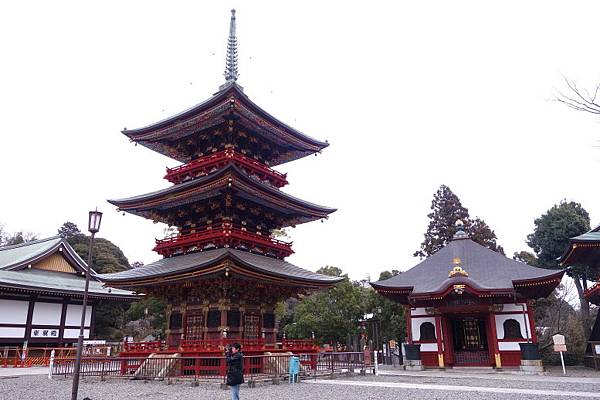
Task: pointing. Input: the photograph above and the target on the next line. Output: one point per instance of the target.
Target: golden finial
(457, 269)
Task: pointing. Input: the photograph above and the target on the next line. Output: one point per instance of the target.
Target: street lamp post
(93, 226)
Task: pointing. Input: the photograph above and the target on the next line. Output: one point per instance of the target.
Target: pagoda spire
(231, 66)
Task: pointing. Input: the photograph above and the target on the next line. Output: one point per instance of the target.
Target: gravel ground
(27, 387)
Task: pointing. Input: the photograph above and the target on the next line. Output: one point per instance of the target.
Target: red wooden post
(494, 340)
(409, 337)
(438, 331)
(531, 318)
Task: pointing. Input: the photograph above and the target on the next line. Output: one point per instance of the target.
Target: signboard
(597, 348)
(559, 343)
(367, 355)
(44, 333)
(560, 346)
(94, 342)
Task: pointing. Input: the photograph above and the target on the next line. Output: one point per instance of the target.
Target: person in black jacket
(235, 369)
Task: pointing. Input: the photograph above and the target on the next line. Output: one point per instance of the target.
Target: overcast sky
(410, 94)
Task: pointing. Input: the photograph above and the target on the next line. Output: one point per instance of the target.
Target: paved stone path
(425, 385)
(461, 388)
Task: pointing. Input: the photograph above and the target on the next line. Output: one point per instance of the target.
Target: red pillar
(494, 339)
(531, 318)
(438, 335)
(409, 337)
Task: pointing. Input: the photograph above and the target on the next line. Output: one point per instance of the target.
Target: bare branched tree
(579, 99)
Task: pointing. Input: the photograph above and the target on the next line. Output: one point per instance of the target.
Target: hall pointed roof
(464, 262)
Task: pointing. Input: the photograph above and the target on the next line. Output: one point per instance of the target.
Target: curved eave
(397, 294)
(593, 294)
(536, 288)
(71, 293)
(75, 261)
(246, 184)
(139, 134)
(215, 266)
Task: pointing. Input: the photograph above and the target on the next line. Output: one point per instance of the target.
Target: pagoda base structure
(469, 306)
(219, 297)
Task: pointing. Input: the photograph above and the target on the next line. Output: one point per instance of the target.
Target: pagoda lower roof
(213, 262)
(584, 250)
(229, 100)
(486, 273)
(212, 185)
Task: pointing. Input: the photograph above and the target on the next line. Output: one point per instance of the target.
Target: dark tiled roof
(487, 269)
(20, 255)
(15, 274)
(200, 260)
(123, 203)
(222, 94)
(36, 280)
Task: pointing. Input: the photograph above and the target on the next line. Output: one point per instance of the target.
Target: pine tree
(447, 210)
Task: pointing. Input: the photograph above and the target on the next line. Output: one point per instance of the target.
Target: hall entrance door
(470, 341)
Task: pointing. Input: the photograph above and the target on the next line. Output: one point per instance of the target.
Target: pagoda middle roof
(229, 99)
(203, 263)
(488, 271)
(583, 250)
(206, 187)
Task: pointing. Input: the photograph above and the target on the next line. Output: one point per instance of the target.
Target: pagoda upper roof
(482, 271)
(20, 271)
(211, 262)
(229, 100)
(583, 250)
(212, 184)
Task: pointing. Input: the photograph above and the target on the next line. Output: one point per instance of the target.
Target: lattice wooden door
(251, 326)
(194, 326)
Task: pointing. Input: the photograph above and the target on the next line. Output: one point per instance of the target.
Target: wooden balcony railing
(225, 235)
(207, 164)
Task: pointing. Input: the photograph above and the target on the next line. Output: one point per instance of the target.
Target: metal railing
(164, 366)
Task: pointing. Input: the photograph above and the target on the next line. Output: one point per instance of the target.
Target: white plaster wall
(46, 313)
(74, 315)
(508, 346)
(418, 311)
(416, 325)
(519, 318)
(12, 332)
(74, 333)
(429, 347)
(514, 307)
(13, 312)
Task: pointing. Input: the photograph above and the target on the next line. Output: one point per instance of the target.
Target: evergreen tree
(447, 210)
(550, 239)
(68, 230)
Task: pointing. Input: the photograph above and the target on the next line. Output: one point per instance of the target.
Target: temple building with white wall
(41, 294)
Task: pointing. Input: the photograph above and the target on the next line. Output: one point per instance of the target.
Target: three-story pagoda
(224, 272)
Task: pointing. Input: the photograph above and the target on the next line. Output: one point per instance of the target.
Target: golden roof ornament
(457, 270)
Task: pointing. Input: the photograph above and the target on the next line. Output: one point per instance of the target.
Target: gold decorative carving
(457, 270)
